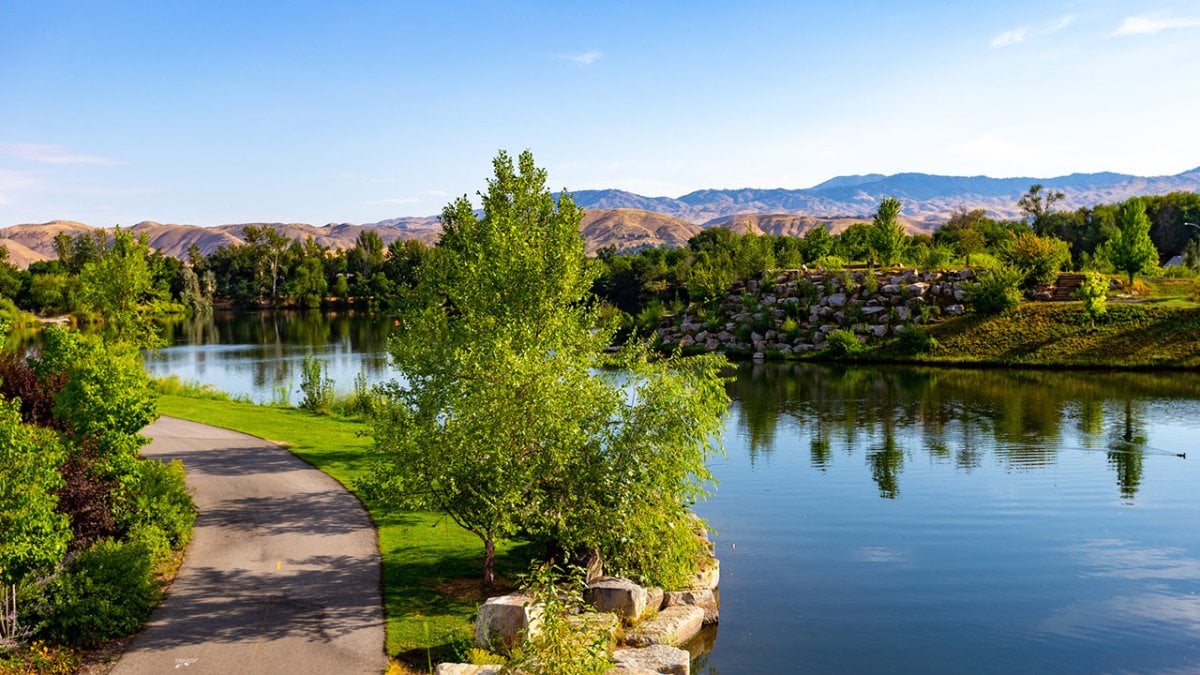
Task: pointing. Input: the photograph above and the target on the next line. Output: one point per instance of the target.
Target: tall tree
(1038, 203)
(272, 250)
(1130, 249)
(118, 286)
(502, 421)
(886, 239)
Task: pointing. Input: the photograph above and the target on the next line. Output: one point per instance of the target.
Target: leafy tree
(816, 244)
(886, 239)
(1039, 258)
(1037, 204)
(33, 535)
(501, 422)
(1094, 293)
(1130, 249)
(270, 249)
(118, 286)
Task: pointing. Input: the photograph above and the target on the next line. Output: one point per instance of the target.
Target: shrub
(316, 387)
(1094, 293)
(914, 340)
(159, 512)
(843, 342)
(561, 646)
(996, 291)
(107, 592)
(1038, 258)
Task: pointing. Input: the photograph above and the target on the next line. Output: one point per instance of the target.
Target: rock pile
(793, 312)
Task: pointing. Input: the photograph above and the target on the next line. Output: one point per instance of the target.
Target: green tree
(1130, 249)
(33, 535)
(1039, 258)
(119, 286)
(502, 422)
(271, 251)
(1038, 204)
(1094, 293)
(816, 244)
(886, 240)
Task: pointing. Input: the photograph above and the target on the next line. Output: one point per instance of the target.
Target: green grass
(1060, 334)
(431, 566)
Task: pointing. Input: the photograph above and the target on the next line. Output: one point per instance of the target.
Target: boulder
(955, 310)
(673, 626)
(918, 288)
(466, 669)
(600, 621)
(704, 598)
(620, 596)
(835, 300)
(655, 659)
(966, 274)
(868, 311)
(654, 596)
(709, 575)
(879, 331)
(501, 620)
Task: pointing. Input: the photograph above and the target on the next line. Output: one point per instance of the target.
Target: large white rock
(704, 598)
(501, 620)
(673, 626)
(466, 669)
(622, 597)
(709, 575)
(656, 659)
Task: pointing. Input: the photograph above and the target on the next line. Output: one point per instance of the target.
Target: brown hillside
(792, 225)
(39, 237)
(631, 229)
(19, 254)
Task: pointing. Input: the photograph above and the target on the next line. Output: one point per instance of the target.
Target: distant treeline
(271, 270)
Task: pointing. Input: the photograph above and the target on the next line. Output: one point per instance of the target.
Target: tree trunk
(489, 562)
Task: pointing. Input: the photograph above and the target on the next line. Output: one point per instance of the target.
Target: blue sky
(216, 112)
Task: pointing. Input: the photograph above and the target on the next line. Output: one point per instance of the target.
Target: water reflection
(1021, 418)
(260, 354)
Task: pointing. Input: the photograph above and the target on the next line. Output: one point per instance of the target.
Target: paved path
(282, 575)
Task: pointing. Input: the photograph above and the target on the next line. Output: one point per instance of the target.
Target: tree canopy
(502, 420)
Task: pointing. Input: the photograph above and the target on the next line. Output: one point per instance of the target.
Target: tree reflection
(1126, 450)
(1018, 418)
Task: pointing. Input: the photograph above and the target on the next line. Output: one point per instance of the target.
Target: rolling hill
(629, 221)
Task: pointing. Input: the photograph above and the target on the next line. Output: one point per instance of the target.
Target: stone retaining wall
(795, 311)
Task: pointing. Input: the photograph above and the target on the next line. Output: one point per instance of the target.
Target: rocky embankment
(794, 312)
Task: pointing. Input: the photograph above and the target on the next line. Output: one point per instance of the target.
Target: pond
(897, 520)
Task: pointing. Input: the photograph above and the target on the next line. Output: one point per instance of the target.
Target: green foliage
(1038, 204)
(502, 422)
(118, 286)
(996, 291)
(1039, 258)
(913, 339)
(1094, 293)
(316, 387)
(1130, 249)
(32, 534)
(886, 240)
(160, 512)
(563, 644)
(106, 592)
(173, 385)
(843, 342)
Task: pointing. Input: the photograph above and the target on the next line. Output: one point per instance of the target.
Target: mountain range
(631, 221)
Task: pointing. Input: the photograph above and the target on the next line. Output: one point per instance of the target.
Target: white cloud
(51, 154)
(1020, 33)
(1010, 37)
(581, 59)
(1149, 25)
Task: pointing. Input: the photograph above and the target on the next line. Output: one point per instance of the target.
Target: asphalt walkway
(282, 575)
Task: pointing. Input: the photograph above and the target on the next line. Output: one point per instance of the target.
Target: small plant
(1094, 293)
(843, 342)
(871, 283)
(790, 327)
(316, 387)
(915, 340)
(39, 658)
(996, 291)
(560, 646)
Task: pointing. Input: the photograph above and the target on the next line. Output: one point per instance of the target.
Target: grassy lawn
(431, 566)
(1060, 334)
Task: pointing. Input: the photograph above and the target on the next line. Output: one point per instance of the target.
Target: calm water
(899, 520)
